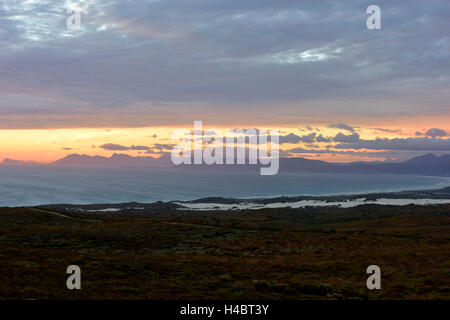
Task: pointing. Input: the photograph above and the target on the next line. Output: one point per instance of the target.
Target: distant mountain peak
(428, 164)
(427, 156)
(430, 157)
(116, 160)
(12, 162)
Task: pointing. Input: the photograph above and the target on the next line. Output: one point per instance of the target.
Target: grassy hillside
(268, 254)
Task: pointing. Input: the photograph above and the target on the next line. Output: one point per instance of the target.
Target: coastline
(400, 198)
(43, 187)
(311, 203)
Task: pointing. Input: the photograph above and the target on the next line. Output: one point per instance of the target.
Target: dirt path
(190, 225)
(64, 216)
(206, 226)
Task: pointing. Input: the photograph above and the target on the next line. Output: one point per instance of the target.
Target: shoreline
(399, 198)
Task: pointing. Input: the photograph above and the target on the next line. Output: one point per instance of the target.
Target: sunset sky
(137, 70)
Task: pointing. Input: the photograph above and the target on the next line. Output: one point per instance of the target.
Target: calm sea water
(44, 185)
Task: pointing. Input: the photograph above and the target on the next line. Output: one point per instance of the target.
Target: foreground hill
(267, 254)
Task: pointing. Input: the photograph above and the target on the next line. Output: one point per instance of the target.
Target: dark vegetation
(319, 253)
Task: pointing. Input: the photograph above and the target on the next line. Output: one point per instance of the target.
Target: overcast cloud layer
(171, 57)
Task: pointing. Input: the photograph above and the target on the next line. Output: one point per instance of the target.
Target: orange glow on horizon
(48, 145)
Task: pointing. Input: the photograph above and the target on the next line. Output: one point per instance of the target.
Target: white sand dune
(308, 203)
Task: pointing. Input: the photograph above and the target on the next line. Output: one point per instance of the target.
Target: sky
(137, 70)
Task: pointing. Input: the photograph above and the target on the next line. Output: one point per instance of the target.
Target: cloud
(340, 137)
(118, 147)
(138, 148)
(293, 138)
(391, 154)
(155, 151)
(176, 58)
(163, 146)
(294, 56)
(310, 138)
(339, 152)
(321, 138)
(417, 144)
(342, 126)
(435, 132)
(290, 138)
(387, 130)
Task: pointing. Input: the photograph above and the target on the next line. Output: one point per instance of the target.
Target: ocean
(28, 186)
